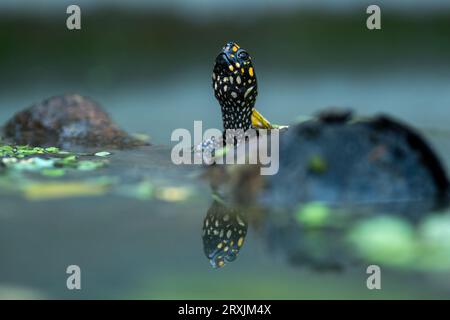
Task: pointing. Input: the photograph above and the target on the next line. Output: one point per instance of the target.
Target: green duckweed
(49, 162)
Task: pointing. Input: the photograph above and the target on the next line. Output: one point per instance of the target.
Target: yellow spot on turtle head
(242, 70)
(235, 48)
(238, 65)
(250, 71)
(220, 263)
(240, 241)
(219, 245)
(231, 67)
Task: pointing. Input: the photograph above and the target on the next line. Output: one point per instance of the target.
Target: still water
(150, 248)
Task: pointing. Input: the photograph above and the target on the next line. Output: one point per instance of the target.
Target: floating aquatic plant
(52, 166)
(23, 151)
(50, 162)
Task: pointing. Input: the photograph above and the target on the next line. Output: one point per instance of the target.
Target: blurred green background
(149, 64)
(147, 60)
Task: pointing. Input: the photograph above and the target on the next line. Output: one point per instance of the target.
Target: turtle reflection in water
(224, 231)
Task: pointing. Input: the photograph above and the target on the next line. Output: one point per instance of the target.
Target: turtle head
(235, 86)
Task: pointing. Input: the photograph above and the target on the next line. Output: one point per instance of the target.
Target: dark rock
(376, 162)
(67, 121)
(334, 115)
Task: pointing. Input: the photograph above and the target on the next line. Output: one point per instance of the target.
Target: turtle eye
(243, 55)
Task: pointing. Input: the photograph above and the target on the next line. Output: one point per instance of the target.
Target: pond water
(151, 247)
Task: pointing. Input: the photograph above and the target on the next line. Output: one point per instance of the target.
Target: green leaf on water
(52, 150)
